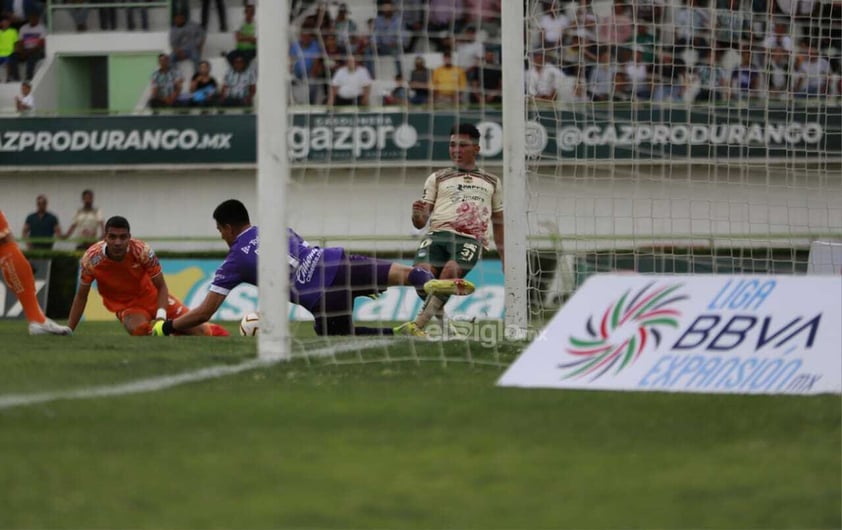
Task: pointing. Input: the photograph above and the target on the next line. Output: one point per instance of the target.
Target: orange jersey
(122, 284)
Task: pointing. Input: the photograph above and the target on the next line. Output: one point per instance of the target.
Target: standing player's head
(464, 145)
(117, 236)
(231, 218)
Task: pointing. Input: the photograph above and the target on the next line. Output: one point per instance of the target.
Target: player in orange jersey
(131, 283)
(17, 273)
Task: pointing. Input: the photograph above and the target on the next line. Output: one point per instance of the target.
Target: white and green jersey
(463, 201)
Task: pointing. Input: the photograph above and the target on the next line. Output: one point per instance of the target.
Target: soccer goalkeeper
(324, 281)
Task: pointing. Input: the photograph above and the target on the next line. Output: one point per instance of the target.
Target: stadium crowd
(447, 52)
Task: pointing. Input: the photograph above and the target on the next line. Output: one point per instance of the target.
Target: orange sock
(18, 275)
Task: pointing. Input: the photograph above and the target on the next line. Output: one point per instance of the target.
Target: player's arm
(421, 211)
(163, 296)
(499, 235)
(193, 318)
(77, 309)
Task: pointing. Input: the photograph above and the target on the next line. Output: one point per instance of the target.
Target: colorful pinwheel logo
(626, 329)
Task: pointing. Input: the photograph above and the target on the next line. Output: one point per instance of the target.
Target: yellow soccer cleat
(410, 329)
(458, 287)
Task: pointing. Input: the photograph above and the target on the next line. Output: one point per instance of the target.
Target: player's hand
(419, 210)
(158, 328)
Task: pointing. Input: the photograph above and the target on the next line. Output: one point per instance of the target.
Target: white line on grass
(155, 384)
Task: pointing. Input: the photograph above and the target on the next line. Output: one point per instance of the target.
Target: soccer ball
(250, 324)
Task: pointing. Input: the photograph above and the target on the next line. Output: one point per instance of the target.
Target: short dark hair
(468, 129)
(117, 221)
(231, 212)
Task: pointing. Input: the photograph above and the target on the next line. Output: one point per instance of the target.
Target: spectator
(615, 28)
(388, 36)
(484, 15)
(245, 37)
(646, 43)
(543, 80)
(305, 60)
(552, 25)
(601, 77)
(239, 86)
(779, 37)
(79, 14)
(414, 18)
(637, 73)
(144, 16)
(445, 18)
(186, 40)
(166, 84)
(813, 73)
(468, 51)
(221, 12)
(712, 78)
(648, 11)
(19, 11)
(345, 29)
(107, 15)
(449, 82)
(31, 44)
(41, 224)
(623, 90)
(351, 85)
(399, 95)
(487, 81)
(730, 25)
(778, 74)
(419, 82)
(334, 56)
(203, 87)
(25, 102)
(745, 78)
(692, 26)
(89, 221)
(8, 41)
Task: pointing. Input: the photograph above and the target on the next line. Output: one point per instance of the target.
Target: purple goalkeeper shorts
(355, 276)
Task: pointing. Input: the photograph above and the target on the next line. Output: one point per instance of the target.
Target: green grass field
(334, 442)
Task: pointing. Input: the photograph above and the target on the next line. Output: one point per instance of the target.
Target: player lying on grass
(17, 273)
(459, 203)
(131, 283)
(324, 281)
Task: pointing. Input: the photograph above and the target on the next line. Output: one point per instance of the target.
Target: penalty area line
(155, 384)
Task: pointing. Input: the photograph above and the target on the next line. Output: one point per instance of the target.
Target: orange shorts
(174, 309)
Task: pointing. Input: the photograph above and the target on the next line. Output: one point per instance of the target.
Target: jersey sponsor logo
(305, 271)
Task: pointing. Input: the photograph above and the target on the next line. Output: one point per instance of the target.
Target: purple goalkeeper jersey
(311, 269)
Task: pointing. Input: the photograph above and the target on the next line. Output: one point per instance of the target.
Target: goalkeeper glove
(162, 328)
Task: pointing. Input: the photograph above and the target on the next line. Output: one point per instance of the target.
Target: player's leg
(136, 320)
(460, 255)
(17, 273)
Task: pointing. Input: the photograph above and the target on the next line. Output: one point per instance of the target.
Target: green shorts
(437, 248)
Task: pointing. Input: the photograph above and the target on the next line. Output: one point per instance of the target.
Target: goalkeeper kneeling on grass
(131, 283)
(324, 281)
(458, 203)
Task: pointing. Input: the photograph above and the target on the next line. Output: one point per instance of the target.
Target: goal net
(648, 136)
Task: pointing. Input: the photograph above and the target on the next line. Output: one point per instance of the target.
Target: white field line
(155, 384)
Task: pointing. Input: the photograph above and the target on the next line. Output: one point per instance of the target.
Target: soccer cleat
(410, 329)
(458, 287)
(48, 327)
